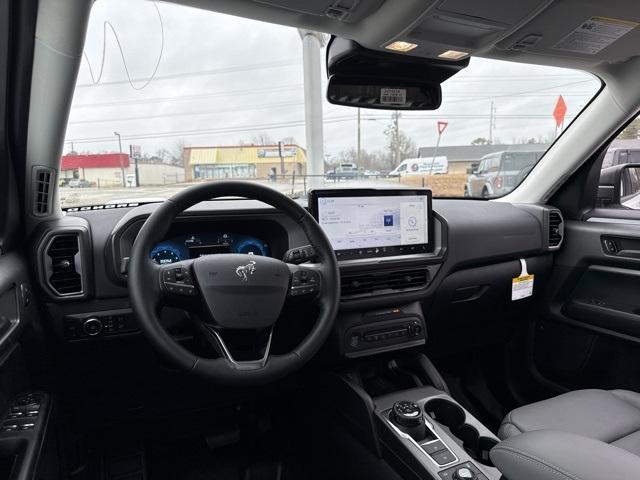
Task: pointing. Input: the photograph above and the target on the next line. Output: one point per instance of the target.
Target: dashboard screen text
(377, 224)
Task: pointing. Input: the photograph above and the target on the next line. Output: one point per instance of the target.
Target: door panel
(24, 413)
(589, 333)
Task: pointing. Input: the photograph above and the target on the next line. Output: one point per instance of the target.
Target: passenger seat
(610, 416)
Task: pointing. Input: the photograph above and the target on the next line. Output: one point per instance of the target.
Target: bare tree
(263, 139)
(399, 144)
(177, 152)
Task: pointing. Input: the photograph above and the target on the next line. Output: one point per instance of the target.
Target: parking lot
(450, 185)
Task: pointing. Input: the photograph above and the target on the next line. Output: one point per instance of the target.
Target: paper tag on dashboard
(522, 286)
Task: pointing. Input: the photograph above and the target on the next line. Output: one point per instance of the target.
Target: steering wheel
(233, 295)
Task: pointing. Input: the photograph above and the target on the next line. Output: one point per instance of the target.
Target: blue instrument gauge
(252, 247)
(165, 254)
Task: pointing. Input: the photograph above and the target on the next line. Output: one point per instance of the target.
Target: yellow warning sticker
(595, 34)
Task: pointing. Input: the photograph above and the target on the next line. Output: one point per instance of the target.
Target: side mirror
(620, 186)
(472, 170)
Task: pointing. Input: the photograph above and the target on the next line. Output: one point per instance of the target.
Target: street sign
(560, 111)
(441, 126)
(136, 151)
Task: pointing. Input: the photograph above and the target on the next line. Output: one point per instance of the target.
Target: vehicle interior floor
(260, 441)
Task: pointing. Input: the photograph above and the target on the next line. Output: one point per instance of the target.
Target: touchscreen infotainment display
(371, 223)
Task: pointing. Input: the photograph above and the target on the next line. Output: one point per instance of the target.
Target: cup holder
(453, 417)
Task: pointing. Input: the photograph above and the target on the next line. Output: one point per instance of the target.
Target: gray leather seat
(609, 416)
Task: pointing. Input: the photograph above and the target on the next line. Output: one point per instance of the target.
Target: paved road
(74, 197)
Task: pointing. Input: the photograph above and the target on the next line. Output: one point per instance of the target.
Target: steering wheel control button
(178, 281)
(300, 255)
(304, 282)
(92, 326)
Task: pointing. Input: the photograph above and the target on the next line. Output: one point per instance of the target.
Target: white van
(421, 166)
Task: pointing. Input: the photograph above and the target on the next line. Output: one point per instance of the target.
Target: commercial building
(462, 157)
(105, 170)
(244, 161)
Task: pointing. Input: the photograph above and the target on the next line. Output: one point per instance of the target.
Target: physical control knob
(407, 416)
(92, 326)
(464, 473)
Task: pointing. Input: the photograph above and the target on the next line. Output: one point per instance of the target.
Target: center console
(428, 431)
(400, 409)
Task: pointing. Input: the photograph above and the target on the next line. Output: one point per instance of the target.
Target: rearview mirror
(360, 77)
(620, 186)
(383, 93)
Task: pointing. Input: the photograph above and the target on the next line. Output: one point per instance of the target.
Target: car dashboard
(199, 243)
(387, 303)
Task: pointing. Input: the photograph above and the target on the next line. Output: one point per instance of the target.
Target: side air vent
(556, 229)
(360, 284)
(42, 179)
(63, 265)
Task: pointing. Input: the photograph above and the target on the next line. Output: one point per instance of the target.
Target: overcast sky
(224, 79)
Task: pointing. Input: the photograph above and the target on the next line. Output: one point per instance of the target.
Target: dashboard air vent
(42, 181)
(556, 230)
(62, 264)
(359, 284)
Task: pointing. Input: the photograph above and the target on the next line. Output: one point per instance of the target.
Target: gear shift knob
(407, 416)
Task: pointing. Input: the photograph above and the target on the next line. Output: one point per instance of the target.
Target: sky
(196, 78)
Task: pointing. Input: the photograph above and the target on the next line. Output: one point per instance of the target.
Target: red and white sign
(560, 111)
(136, 151)
(441, 126)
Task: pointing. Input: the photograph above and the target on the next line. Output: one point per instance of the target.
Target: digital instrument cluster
(183, 247)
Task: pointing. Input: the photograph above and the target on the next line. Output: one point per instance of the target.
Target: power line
(192, 113)
(291, 124)
(212, 131)
(197, 96)
(280, 105)
(214, 71)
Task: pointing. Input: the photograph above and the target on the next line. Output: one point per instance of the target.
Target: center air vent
(556, 229)
(360, 284)
(63, 265)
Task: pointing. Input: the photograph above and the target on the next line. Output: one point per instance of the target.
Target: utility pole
(491, 122)
(124, 179)
(312, 43)
(135, 155)
(359, 155)
(396, 134)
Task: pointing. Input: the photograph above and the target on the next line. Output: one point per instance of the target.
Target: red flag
(441, 126)
(560, 111)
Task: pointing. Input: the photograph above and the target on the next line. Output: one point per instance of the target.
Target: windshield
(168, 96)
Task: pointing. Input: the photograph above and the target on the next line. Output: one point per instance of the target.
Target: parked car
(421, 166)
(620, 156)
(79, 183)
(500, 172)
(345, 171)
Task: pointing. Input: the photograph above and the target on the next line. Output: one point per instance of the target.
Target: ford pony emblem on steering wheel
(244, 271)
